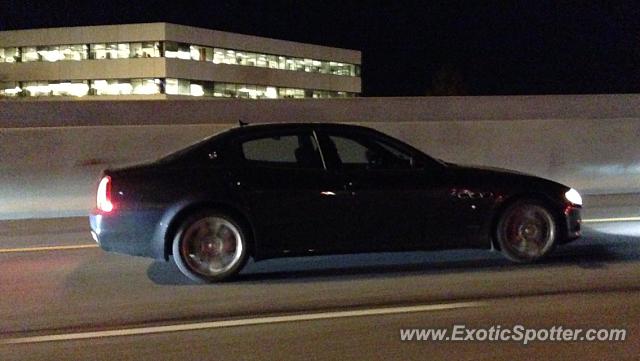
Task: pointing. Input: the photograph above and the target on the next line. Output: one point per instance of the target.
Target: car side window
(354, 153)
(286, 151)
(350, 152)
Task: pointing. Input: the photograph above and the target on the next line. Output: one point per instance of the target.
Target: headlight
(573, 196)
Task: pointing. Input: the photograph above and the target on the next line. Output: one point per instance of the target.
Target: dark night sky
(411, 48)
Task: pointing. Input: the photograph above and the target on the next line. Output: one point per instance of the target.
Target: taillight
(103, 199)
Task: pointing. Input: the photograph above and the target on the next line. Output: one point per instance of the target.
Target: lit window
(241, 58)
(196, 90)
(271, 92)
(171, 49)
(310, 65)
(146, 86)
(324, 67)
(76, 88)
(174, 50)
(184, 51)
(135, 50)
(178, 87)
(261, 60)
(230, 57)
(43, 88)
(150, 86)
(272, 61)
(197, 52)
(177, 50)
(112, 87)
(290, 64)
(9, 55)
(10, 89)
(218, 56)
(171, 86)
(74, 52)
(98, 51)
(36, 89)
(247, 92)
(123, 51)
(50, 53)
(112, 51)
(151, 49)
(251, 59)
(291, 93)
(30, 54)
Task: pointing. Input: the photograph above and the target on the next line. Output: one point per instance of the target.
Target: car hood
(487, 169)
(491, 177)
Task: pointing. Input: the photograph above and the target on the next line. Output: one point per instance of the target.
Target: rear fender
(176, 213)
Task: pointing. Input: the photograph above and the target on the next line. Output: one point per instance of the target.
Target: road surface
(54, 283)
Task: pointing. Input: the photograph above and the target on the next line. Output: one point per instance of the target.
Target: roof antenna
(241, 123)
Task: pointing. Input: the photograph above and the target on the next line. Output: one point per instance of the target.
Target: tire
(210, 247)
(527, 231)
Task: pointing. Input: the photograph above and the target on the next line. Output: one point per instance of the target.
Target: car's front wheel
(526, 231)
(210, 246)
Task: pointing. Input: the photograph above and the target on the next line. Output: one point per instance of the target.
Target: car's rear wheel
(526, 231)
(210, 246)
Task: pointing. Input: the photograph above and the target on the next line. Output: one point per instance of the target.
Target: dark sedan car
(276, 190)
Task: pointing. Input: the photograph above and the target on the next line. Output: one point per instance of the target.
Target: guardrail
(51, 152)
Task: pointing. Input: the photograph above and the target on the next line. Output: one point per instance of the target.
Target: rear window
(291, 151)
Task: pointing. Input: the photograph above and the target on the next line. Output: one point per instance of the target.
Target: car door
(396, 198)
(296, 206)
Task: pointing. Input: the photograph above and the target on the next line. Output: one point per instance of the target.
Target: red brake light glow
(103, 199)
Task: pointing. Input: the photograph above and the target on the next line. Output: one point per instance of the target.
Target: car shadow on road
(595, 250)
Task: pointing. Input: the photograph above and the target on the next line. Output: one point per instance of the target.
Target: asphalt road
(592, 283)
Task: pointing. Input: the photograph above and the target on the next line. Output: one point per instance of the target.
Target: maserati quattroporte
(278, 190)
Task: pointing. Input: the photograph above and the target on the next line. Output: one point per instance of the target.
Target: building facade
(162, 60)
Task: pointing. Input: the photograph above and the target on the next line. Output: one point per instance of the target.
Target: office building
(162, 61)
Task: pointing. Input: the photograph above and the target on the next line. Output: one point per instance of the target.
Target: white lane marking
(241, 322)
(618, 219)
(48, 248)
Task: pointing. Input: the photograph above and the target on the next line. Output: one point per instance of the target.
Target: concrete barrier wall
(52, 152)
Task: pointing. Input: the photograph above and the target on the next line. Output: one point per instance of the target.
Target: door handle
(237, 184)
